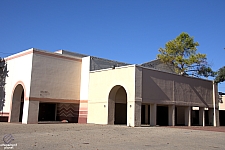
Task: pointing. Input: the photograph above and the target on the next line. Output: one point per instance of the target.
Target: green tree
(182, 54)
(220, 77)
(3, 75)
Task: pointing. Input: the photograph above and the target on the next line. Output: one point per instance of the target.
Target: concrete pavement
(101, 137)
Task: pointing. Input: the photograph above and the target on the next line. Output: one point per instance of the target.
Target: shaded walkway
(206, 128)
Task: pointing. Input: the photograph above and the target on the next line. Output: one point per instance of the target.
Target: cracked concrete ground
(98, 137)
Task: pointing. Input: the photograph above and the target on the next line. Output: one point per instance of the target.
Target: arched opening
(117, 106)
(17, 104)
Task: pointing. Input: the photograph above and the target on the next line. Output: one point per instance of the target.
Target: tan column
(137, 120)
(215, 105)
(111, 111)
(201, 116)
(153, 115)
(217, 118)
(30, 112)
(171, 114)
(188, 116)
(146, 114)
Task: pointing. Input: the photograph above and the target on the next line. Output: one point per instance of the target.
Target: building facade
(46, 86)
(222, 110)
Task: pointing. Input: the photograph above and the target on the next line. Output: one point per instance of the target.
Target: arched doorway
(117, 105)
(17, 104)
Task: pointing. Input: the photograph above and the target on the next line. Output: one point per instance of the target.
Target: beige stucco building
(222, 110)
(46, 86)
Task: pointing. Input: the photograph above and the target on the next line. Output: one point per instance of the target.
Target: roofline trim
(41, 52)
(107, 69)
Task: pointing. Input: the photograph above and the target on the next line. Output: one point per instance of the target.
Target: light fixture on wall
(104, 105)
(130, 106)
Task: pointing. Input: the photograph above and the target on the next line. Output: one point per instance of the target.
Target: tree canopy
(181, 52)
(220, 77)
(3, 75)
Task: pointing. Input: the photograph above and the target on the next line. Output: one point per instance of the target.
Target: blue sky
(123, 30)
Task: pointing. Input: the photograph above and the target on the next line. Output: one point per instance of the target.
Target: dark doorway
(142, 114)
(222, 117)
(175, 116)
(120, 110)
(179, 116)
(207, 118)
(21, 107)
(47, 112)
(162, 115)
(195, 117)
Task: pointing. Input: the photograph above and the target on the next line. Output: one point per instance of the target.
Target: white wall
(19, 67)
(85, 69)
(100, 85)
(222, 105)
